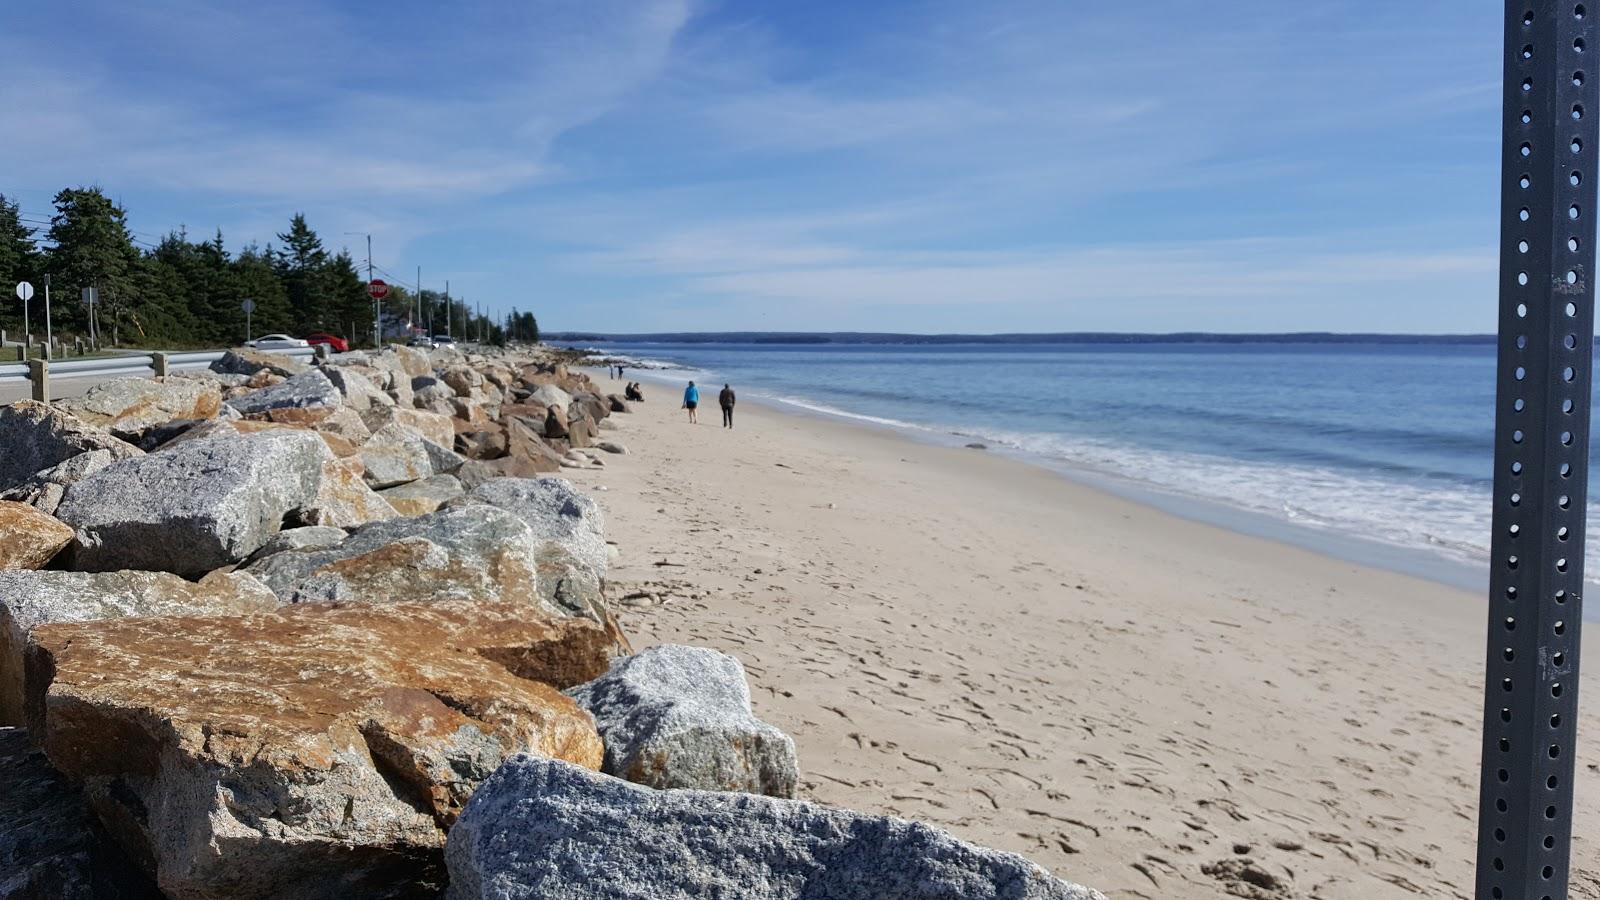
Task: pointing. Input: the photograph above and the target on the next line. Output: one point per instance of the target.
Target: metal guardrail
(132, 365)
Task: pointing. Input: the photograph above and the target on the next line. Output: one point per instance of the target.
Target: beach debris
(50, 844)
(1245, 877)
(545, 828)
(675, 716)
(315, 751)
(195, 507)
(977, 446)
(28, 537)
(612, 447)
(31, 599)
(36, 437)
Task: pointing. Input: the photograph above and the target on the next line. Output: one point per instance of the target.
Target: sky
(887, 166)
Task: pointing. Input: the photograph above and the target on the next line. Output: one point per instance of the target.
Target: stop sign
(377, 289)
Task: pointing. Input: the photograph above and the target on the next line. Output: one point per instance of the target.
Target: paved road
(60, 388)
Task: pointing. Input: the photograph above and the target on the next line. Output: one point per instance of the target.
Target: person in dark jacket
(727, 399)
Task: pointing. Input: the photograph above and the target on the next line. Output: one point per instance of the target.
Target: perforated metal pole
(1548, 177)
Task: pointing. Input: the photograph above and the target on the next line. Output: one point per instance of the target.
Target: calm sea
(1386, 445)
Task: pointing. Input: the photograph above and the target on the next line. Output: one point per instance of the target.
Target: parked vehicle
(335, 343)
(277, 342)
(420, 340)
(443, 340)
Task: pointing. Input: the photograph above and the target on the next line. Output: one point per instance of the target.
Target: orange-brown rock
(318, 751)
(433, 426)
(524, 444)
(343, 498)
(28, 537)
(340, 445)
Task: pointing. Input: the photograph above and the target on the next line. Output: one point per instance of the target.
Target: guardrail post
(44, 350)
(321, 352)
(158, 361)
(22, 352)
(39, 374)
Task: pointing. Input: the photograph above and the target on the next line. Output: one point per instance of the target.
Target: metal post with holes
(1541, 453)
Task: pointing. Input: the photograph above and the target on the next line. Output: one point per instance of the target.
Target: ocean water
(1387, 445)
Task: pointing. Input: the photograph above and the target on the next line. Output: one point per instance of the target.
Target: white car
(277, 342)
(443, 340)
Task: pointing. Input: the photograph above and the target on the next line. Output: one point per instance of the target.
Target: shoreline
(1443, 568)
(1121, 694)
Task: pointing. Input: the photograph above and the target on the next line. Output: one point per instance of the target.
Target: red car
(335, 343)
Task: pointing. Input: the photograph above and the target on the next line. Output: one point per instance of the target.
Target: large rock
(343, 498)
(316, 751)
(250, 362)
(526, 443)
(543, 828)
(51, 848)
(31, 599)
(44, 490)
(556, 512)
(548, 395)
(489, 442)
(310, 389)
(130, 407)
(28, 537)
(456, 554)
(680, 717)
(423, 497)
(433, 426)
(395, 455)
(36, 437)
(360, 392)
(413, 361)
(312, 537)
(194, 508)
(464, 380)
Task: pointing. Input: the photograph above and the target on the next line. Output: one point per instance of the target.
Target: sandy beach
(1141, 703)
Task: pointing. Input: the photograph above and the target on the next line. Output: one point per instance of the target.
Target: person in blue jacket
(691, 402)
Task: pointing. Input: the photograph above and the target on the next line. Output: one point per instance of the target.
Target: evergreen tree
(302, 265)
(255, 276)
(18, 262)
(91, 248)
(349, 306)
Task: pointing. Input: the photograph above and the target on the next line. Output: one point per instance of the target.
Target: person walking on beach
(727, 399)
(691, 402)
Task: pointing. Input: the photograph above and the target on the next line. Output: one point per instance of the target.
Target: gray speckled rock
(308, 389)
(437, 394)
(308, 537)
(51, 848)
(246, 361)
(36, 437)
(542, 828)
(461, 554)
(395, 455)
(130, 407)
(679, 717)
(197, 507)
(548, 395)
(423, 497)
(31, 599)
(442, 459)
(360, 393)
(45, 489)
(555, 510)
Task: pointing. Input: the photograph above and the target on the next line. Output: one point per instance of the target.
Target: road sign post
(377, 289)
(47, 335)
(25, 292)
(249, 306)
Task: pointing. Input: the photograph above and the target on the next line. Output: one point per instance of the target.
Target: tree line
(185, 293)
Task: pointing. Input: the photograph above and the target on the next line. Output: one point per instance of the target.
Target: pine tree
(92, 248)
(302, 265)
(18, 262)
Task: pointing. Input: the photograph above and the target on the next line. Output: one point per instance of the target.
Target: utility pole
(377, 304)
(416, 316)
(447, 314)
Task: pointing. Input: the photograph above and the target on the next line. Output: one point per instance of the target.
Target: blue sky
(937, 166)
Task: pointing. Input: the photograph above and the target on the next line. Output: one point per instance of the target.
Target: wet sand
(1127, 697)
